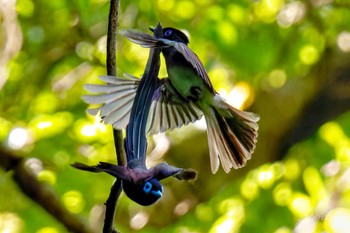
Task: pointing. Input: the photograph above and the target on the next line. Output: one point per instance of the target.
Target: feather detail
(224, 144)
(167, 113)
(232, 135)
(143, 39)
(117, 98)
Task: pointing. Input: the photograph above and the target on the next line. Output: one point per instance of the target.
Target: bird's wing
(117, 97)
(191, 57)
(148, 41)
(143, 39)
(119, 172)
(164, 170)
(169, 111)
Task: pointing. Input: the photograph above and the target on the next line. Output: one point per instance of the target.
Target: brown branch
(330, 101)
(112, 69)
(116, 188)
(39, 192)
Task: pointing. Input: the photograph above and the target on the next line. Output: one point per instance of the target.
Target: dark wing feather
(119, 172)
(168, 111)
(191, 57)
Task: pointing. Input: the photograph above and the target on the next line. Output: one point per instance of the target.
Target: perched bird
(139, 183)
(232, 133)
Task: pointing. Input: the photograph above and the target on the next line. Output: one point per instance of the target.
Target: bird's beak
(151, 28)
(157, 193)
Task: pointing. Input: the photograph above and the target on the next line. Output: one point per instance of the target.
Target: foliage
(251, 49)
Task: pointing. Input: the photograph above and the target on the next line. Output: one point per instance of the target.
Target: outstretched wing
(167, 110)
(119, 172)
(117, 97)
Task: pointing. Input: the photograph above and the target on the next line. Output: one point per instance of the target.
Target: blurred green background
(288, 61)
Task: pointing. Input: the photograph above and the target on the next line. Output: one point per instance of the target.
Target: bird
(232, 133)
(131, 107)
(140, 184)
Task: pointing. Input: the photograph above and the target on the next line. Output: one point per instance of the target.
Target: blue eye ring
(147, 187)
(168, 32)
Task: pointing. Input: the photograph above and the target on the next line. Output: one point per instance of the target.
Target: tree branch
(39, 192)
(330, 101)
(116, 188)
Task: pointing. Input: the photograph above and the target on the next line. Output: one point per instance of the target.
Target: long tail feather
(232, 136)
(245, 126)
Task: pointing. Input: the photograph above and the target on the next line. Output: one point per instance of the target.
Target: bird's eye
(147, 187)
(168, 32)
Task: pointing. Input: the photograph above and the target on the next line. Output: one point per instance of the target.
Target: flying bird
(232, 133)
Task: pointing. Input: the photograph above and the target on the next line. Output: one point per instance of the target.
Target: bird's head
(145, 193)
(174, 34)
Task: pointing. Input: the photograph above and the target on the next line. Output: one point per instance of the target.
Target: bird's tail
(232, 136)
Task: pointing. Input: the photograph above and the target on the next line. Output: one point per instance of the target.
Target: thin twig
(111, 205)
(116, 188)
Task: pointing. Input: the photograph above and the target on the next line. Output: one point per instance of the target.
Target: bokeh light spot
(73, 201)
(184, 10)
(227, 32)
(291, 13)
(10, 223)
(277, 78)
(18, 138)
(266, 10)
(308, 54)
(265, 176)
(282, 194)
(283, 230)
(334, 135)
(249, 189)
(238, 96)
(343, 41)
(306, 225)
(84, 50)
(44, 124)
(165, 5)
(36, 34)
(314, 184)
(219, 72)
(204, 213)
(48, 230)
(300, 205)
(225, 224)
(47, 176)
(338, 221)
(139, 220)
(25, 8)
(237, 14)
(292, 169)
(88, 130)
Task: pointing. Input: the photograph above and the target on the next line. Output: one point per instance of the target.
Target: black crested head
(146, 193)
(175, 35)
